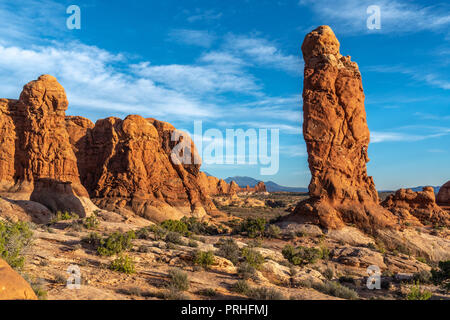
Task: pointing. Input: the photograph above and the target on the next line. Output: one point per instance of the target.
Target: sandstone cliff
(38, 162)
(219, 187)
(337, 137)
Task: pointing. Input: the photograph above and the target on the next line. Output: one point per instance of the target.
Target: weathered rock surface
(36, 152)
(219, 187)
(337, 137)
(12, 285)
(128, 164)
(443, 196)
(417, 207)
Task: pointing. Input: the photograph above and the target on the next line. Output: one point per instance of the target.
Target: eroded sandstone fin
(337, 138)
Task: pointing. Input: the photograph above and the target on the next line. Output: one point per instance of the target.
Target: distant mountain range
(274, 187)
(270, 185)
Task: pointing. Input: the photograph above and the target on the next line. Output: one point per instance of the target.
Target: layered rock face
(417, 207)
(443, 196)
(38, 162)
(12, 285)
(337, 137)
(127, 165)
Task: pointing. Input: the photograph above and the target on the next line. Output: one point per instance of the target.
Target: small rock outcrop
(443, 197)
(219, 187)
(337, 137)
(12, 285)
(416, 207)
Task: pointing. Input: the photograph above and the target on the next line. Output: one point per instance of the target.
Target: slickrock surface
(417, 207)
(12, 285)
(38, 162)
(443, 196)
(337, 137)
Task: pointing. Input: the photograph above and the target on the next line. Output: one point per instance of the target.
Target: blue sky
(237, 64)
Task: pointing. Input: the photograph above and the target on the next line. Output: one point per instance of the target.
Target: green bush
(199, 227)
(263, 293)
(441, 275)
(229, 249)
(301, 255)
(175, 226)
(253, 257)
(423, 277)
(246, 271)
(91, 222)
(273, 231)
(204, 259)
(115, 243)
(179, 280)
(337, 290)
(241, 287)
(159, 233)
(15, 238)
(416, 293)
(253, 227)
(123, 264)
(207, 292)
(174, 237)
(92, 239)
(62, 216)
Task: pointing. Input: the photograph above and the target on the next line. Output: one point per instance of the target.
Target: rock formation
(12, 285)
(443, 197)
(127, 164)
(37, 158)
(337, 137)
(416, 207)
(219, 187)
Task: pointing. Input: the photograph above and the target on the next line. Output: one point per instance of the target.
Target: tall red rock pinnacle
(443, 196)
(337, 137)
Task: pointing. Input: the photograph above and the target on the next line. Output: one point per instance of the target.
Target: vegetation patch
(15, 239)
(123, 264)
(115, 243)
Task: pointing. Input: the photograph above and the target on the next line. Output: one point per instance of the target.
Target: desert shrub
(275, 203)
(123, 264)
(179, 280)
(328, 273)
(273, 231)
(415, 293)
(62, 216)
(246, 271)
(38, 286)
(337, 290)
(158, 232)
(241, 286)
(92, 239)
(175, 226)
(174, 237)
(115, 243)
(91, 222)
(441, 275)
(192, 243)
(199, 227)
(173, 294)
(301, 255)
(252, 257)
(229, 249)
(263, 293)
(254, 227)
(15, 239)
(204, 259)
(208, 292)
(423, 277)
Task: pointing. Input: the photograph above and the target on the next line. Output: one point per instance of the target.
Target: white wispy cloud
(263, 52)
(204, 15)
(201, 38)
(402, 136)
(396, 16)
(421, 75)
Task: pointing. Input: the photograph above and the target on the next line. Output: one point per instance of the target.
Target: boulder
(443, 196)
(12, 285)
